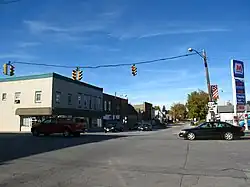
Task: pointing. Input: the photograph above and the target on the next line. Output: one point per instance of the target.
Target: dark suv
(113, 127)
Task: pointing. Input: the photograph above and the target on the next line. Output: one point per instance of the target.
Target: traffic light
(79, 77)
(74, 74)
(134, 70)
(12, 70)
(5, 69)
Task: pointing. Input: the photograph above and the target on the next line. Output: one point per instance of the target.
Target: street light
(204, 57)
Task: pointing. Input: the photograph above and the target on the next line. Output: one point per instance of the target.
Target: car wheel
(35, 132)
(228, 136)
(190, 136)
(66, 133)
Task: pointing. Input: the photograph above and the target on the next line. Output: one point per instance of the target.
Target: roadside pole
(210, 98)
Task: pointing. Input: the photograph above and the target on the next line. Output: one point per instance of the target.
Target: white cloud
(17, 56)
(183, 31)
(28, 44)
(154, 29)
(98, 48)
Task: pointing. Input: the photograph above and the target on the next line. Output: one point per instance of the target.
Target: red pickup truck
(67, 127)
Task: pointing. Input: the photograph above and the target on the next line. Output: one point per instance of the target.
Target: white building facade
(30, 98)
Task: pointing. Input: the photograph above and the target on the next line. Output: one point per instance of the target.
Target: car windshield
(200, 125)
(110, 125)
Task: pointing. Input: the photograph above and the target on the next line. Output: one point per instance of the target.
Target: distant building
(226, 113)
(145, 111)
(114, 108)
(30, 98)
(132, 116)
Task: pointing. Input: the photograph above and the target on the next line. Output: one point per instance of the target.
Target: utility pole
(207, 75)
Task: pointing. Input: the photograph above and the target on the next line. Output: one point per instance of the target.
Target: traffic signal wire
(107, 65)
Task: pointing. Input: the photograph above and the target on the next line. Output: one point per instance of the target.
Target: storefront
(29, 116)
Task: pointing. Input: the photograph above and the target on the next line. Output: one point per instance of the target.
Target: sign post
(238, 85)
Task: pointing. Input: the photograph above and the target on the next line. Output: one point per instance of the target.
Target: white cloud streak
(17, 56)
(28, 44)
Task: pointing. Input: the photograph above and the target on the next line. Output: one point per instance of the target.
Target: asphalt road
(134, 159)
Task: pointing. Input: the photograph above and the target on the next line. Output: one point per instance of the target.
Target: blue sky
(94, 32)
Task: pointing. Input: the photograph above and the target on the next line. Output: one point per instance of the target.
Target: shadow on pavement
(18, 145)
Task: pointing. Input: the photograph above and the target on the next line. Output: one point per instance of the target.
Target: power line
(107, 65)
(9, 2)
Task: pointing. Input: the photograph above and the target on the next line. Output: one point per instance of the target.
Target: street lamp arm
(199, 53)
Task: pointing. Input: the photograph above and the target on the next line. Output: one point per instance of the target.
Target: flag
(215, 92)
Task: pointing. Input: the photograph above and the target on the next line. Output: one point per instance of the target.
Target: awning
(34, 111)
(43, 111)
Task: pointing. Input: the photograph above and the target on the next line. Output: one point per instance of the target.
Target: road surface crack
(185, 163)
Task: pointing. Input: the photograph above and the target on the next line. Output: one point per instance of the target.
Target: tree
(197, 104)
(248, 102)
(178, 111)
(157, 108)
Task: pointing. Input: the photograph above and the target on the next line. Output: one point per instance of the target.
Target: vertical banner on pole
(238, 85)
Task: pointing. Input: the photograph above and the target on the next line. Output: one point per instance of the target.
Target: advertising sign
(239, 95)
(238, 68)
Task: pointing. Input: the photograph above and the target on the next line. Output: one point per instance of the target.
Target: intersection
(156, 158)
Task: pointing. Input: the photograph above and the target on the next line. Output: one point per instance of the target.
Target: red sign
(238, 68)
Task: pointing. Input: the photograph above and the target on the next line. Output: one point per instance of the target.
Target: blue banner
(240, 92)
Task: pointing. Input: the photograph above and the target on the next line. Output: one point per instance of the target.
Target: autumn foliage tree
(197, 104)
(178, 111)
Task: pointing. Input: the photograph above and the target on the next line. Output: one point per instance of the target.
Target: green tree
(178, 111)
(157, 108)
(197, 104)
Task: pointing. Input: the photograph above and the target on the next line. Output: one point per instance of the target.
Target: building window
(4, 96)
(17, 97)
(90, 102)
(85, 101)
(58, 97)
(99, 103)
(95, 102)
(109, 105)
(105, 105)
(79, 100)
(69, 99)
(38, 96)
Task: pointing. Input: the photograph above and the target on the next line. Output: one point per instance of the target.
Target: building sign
(238, 84)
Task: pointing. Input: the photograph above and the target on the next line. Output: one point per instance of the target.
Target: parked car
(142, 127)
(113, 127)
(135, 127)
(67, 127)
(145, 127)
(221, 130)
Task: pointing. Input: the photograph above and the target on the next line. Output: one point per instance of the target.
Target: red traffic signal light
(79, 75)
(74, 74)
(134, 70)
